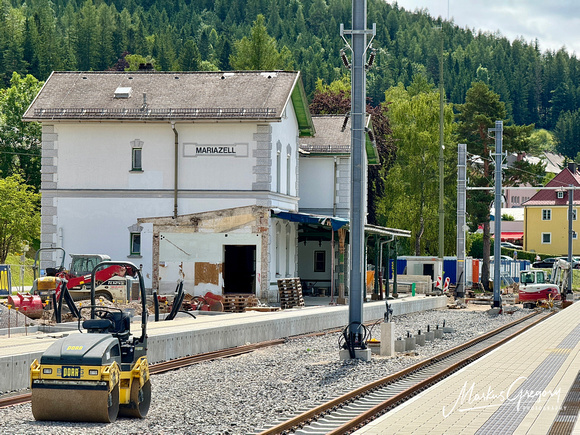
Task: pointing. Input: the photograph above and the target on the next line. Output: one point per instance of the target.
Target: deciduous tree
(19, 214)
(411, 196)
(20, 142)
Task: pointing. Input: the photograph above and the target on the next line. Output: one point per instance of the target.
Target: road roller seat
(117, 323)
(121, 327)
(99, 326)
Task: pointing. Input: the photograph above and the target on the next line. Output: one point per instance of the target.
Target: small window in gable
(560, 194)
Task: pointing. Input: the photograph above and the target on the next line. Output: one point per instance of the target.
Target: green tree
(19, 214)
(20, 142)
(476, 116)
(412, 184)
(259, 52)
(567, 133)
(135, 60)
(542, 140)
(189, 59)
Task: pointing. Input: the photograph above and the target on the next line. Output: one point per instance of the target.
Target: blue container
(401, 265)
(450, 270)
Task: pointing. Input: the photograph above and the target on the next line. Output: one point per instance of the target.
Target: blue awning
(335, 222)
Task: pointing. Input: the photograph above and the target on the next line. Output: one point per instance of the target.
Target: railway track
(357, 408)
(12, 399)
(17, 399)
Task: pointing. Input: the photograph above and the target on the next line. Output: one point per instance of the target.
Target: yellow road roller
(100, 373)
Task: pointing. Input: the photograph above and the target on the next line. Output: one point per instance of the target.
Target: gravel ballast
(242, 394)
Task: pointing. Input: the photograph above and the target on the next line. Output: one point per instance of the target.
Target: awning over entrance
(507, 236)
(336, 223)
(383, 231)
(305, 218)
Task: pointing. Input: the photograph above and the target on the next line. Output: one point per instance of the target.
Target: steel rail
(305, 418)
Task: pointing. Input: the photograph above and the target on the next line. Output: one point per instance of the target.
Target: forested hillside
(39, 36)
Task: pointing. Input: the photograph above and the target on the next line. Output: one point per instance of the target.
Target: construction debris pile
(135, 306)
(13, 318)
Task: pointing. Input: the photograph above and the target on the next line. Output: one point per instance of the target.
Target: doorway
(239, 269)
(429, 269)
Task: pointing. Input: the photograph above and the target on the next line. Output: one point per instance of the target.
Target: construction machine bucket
(75, 404)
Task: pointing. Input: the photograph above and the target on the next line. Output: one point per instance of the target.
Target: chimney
(146, 67)
(572, 167)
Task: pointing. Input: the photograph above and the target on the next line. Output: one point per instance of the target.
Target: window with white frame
(573, 214)
(546, 214)
(560, 194)
(319, 261)
(546, 238)
(574, 235)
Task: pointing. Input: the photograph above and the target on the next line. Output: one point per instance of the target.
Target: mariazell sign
(232, 150)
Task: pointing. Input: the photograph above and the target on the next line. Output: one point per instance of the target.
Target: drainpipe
(334, 189)
(176, 169)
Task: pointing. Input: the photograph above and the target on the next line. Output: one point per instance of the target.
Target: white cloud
(553, 24)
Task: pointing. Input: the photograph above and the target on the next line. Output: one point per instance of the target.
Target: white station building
(192, 175)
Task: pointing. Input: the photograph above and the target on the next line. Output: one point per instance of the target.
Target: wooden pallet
(290, 290)
(239, 303)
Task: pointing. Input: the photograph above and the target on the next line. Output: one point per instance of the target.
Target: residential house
(546, 228)
(553, 163)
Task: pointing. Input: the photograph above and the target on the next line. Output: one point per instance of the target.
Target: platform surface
(186, 336)
(530, 385)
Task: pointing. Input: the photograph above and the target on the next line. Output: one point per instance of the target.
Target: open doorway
(429, 270)
(239, 269)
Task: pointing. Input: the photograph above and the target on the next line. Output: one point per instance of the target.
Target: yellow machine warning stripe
(109, 373)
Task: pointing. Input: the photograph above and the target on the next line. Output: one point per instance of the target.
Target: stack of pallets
(290, 290)
(239, 303)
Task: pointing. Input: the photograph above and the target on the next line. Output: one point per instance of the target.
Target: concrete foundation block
(400, 345)
(410, 343)
(429, 336)
(420, 339)
(364, 354)
(387, 339)
(438, 333)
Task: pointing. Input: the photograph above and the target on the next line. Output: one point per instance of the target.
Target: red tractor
(110, 283)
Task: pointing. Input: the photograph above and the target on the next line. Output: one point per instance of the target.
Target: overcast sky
(555, 23)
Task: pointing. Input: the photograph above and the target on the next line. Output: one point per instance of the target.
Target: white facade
(92, 200)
